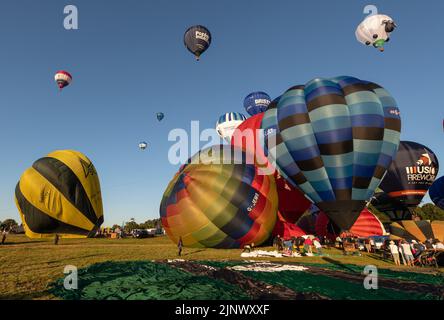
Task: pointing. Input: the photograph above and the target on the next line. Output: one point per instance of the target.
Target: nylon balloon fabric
(417, 230)
(366, 225)
(407, 180)
(219, 202)
(436, 192)
(256, 102)
(60, 194)
(197, 40)
(334, 139)
(292, 202)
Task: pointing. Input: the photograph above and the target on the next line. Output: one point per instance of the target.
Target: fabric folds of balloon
(60, 194)
(334, 139)
(219, 200)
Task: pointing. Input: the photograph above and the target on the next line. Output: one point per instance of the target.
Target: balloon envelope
(63, 79)
(366, 225)
(143, 145)
(375, 30)
(60, 194)
(407, 180)
(197, 40)
(256, 102)
(417, 230)
(160, 116)
(334, 139)
(287, 230)
(436, 192)
(220, 203)
(292, 202)
(227, 124)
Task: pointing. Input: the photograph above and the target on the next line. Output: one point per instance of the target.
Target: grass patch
(28, 267)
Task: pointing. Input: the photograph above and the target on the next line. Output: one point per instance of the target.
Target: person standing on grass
(56, 239)
(372, 244)
(395, 253)
(4, 234)
(368, 246)
(407, 253)
(180, 246)
(307, 245)
(401, 252)
(318, 246)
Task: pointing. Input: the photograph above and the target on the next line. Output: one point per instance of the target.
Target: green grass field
(28, 267)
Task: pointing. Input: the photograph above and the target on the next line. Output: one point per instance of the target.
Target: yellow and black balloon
(60, 194)
(215, 203)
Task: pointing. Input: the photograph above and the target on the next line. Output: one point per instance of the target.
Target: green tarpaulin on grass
(141, 280)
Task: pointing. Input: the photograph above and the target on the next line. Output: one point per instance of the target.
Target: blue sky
(128, 62)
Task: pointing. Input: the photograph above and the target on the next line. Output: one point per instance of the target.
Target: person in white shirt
(318, 246)
(401, 252)
(395, 253)
(407, 253)
(4, 234)
(439, 245)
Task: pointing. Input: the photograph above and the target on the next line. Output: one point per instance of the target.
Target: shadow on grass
(24, 296)
(190, 253)
(340, 265)
(379, 257)
(22, 242)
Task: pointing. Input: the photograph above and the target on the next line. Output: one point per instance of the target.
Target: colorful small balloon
(63, 79)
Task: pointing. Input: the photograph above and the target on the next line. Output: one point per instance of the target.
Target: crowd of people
(401, 251)
(410, 252)
(299, 245)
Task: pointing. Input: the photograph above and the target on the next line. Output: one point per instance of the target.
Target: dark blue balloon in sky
(436, 192)
(197, 39)
(160, 116)
(256, 102)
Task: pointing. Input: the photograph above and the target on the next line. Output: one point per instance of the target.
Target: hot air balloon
(256, 102)
(60, 195)
(334, 139)
(366, 225)
(436, 192)
(375, 30)
(63, 79)
(417, 230)
(292, 202)
(407, 180)
(143, 145)
(227, 123)
(216, 202)
(160, 116)
(197, 39)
